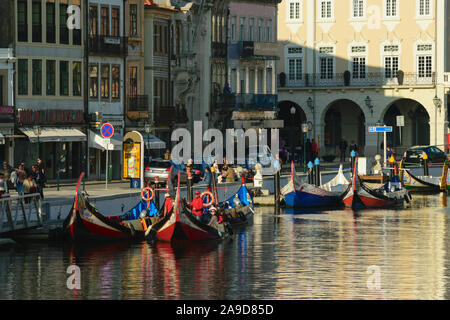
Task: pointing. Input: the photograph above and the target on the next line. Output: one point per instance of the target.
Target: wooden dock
(20, 213)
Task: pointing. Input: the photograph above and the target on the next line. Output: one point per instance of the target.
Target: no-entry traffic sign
(107, 130)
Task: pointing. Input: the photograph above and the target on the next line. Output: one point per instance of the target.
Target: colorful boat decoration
(181, 225)
(425, 183)
(239, 208)
(297, 194)
(85, 222)
(360, 196)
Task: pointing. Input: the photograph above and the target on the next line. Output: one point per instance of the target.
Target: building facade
(364, 63)
(50, 117)
(107, 54)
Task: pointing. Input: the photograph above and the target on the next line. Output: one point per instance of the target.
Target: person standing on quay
(343, 149)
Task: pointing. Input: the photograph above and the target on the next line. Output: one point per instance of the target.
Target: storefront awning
(53, 134)
(98, 142)
(153, 142)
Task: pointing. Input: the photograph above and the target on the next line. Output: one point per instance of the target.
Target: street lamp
(369, 105)
(305, 130)
(293, 111)
(437, 102)
(37, 131)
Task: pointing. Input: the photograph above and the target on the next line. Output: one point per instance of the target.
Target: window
(326, 68)
(294, 10)
(295, 69)
(242, 29)
(160, 92)
(391, 8)
(251, 29)
(115, 83)
(22, 27)
(93, 81)
(133, 81)
(424, 8)
(104, 21)
(64, 78)
(359, 68)
(37, 22)
(23, 77)
(295, 50)
(51, 77)
(115, 22)
(93, 20)
(358, 9)
(325, 9)
(63, 31)
(104, 81)
(233, 28)
(260, 30)
(390, 67)
(76, 33)
(36, 73)
(160, 39)
(133, 20)
(269, 30)
(76, 78)
(425, 66)
(51, 23)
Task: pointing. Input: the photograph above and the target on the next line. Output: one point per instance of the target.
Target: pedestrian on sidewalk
(7, 170)
(41, 166)
(343, 149)
(40, 180)
(314, 149)
(3, 185)
(21, 177)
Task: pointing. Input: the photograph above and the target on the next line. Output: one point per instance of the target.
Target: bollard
(156, 192)
(352, 158)
(310, 173)
(276, 181)
(392, 166)
(426, 171)
(317, 172)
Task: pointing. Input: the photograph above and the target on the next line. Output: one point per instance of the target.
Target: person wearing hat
(197, 205)
(168, 204)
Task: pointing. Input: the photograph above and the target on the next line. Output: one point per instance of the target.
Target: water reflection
(298, 255)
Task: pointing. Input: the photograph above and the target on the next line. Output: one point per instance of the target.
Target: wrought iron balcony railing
(107, 45)
(241, 101)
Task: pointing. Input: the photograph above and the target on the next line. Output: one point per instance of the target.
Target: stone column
(265, 79)
(273, 80)
(247, 80)
(238, 80)
(256, 81)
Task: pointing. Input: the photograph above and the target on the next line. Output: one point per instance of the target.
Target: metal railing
(108, 45)
(20, 212)
(375, 79)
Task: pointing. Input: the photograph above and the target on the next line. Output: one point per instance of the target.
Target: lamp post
(37, 131)
(147, 129)
(437, 103)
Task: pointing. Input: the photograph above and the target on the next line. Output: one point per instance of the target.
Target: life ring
(149, 191)
(208, 193)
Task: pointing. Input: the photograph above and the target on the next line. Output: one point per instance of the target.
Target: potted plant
(347, 78)
(400, 76)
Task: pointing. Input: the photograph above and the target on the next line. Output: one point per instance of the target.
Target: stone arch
(291, 135)
(343, 118)
(417, 124)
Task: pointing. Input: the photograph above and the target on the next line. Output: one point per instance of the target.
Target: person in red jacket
(197, 205)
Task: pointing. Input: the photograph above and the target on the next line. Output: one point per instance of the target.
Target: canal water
(373, 254)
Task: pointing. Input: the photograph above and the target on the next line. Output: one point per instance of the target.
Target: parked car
(414, 154)
(157, 168)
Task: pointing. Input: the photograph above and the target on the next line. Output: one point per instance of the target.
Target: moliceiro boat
(239, 208)
(85, 222)
(425, 183)
(297, 194)
(181, 225)
(360, 196)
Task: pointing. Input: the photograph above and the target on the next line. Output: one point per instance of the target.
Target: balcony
(138, 108)
(169, 115)
(243, 101)
(105, 45)
(219, 50)
(368, 80)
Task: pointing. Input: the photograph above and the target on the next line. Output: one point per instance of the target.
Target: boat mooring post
(310, 173)
(276, 192)
(392, 165)
(426, 171)
(156, 192)
(317, 171)
(352, 159)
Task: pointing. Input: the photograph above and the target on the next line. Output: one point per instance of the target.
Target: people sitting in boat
(216, 221)
(197, 205)
(237, 203)
(168, 204)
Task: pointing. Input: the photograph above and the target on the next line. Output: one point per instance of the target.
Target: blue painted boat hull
(301, 199)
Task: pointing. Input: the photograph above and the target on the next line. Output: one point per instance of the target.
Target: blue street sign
(380, 129)
(107, 130)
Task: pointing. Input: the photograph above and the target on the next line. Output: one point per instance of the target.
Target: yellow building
(351, 64)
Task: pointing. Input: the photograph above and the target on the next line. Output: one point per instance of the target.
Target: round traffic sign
(107, 130)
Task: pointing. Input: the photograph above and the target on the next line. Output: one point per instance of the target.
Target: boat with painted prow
(298, 194)
(181, 225)
(85, 222)
(427, 184)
